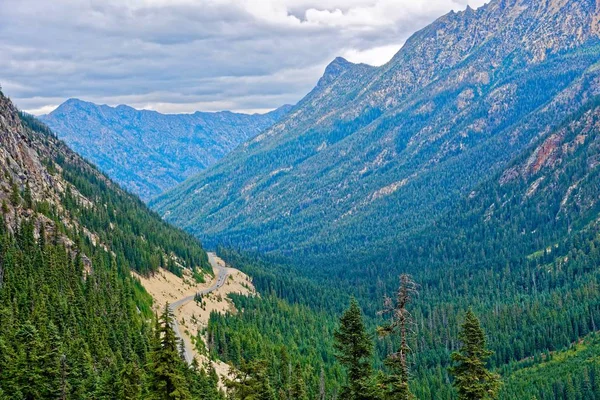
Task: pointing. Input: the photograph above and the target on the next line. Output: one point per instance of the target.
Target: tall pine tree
(298, 386)
(250, 382)
(168, 378)
(354, 350)
(472, 379)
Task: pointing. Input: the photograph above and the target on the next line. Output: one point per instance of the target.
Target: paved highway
(222, 273)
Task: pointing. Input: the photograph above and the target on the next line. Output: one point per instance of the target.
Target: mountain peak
(471, 89)
(73, 104)
(334, 70)
(76, 101)
(278, 113)
(339, 64)
(340, 61)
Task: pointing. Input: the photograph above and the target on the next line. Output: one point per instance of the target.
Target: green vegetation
(478, 256)
(490, 202)
(169, 375)
(127, 226)
(121, 221)
(70, 333)
(74, 323)
(573, 373)
(354, 349)
(472, 380)
(401, 325)
(284, 336)
(250, 382)
(366, 164)
(484, 188)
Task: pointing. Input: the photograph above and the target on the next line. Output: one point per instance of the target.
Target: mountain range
(470, 161)
(375, 154)
(148, 152)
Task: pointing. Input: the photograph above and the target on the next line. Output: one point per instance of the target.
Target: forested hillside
(74, 324)
(521, 249)
(573, 373)
(148, 152)
(372, 155)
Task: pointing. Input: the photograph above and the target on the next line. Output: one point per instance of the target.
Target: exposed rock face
(458, 102)
(148, 152)
(48, 188)
(552, 188)
(21, 157)
(24, 157)
(548, 158)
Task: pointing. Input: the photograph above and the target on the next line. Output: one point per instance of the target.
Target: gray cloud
(188, 55)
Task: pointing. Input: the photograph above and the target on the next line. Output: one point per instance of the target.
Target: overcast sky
(179, 56)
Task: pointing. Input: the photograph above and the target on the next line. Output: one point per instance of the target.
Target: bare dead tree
(401, 323)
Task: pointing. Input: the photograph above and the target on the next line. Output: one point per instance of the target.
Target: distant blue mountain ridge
(148, 152)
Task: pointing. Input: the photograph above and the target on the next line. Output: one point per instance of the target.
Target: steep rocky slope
(544, 198)
(42, 180)
(373, 154)
(148, 152)
(74, 323)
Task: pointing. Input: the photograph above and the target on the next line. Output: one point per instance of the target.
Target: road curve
(221, 272)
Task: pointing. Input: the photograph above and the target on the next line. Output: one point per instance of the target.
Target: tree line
(354, 352)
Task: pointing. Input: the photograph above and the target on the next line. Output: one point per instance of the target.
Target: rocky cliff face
(148, 152)
(43, 182)
(372, 154)
(20, 164)
(563, 166)
(25, 157)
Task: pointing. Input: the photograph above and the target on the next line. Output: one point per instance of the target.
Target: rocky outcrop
(25, 160)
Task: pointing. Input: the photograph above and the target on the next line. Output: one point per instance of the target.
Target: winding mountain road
(221, 272)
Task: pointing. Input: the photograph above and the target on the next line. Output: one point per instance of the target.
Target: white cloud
(42, 110)
(376, 56)
(179, 55)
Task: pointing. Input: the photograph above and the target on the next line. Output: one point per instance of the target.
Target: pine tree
(27, 197)
(354, 350)
(15, 196)
(4, 362)
(51, 364)
(131, 380)
(472, 379)
(109, 384)
(201, 386)
(250, 382)
(397, 382)
(168, 380)
(298, 386)
(29, 380)
(285, 373)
